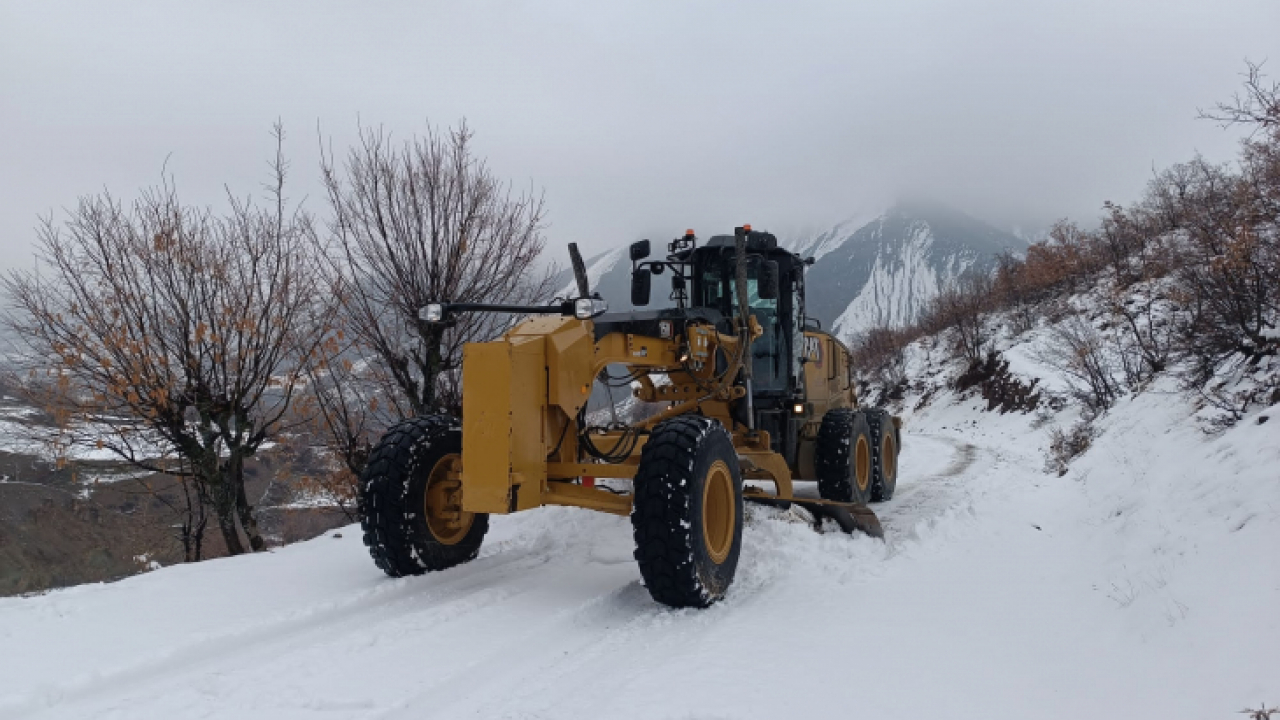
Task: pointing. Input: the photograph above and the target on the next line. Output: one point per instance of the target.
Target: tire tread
(663, 485)
(385, 521)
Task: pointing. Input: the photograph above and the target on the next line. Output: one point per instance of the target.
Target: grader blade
(849, 518)
(859, 518)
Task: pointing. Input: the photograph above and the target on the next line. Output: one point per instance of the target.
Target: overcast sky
(636, 119)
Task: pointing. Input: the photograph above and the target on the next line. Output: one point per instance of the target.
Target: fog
(635, 119)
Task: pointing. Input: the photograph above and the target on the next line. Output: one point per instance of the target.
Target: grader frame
(526, 441)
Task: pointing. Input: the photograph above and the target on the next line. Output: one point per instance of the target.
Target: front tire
(843, 457)
(688, 514)
(410, 494)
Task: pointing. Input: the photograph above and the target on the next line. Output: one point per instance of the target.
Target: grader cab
(752, 397)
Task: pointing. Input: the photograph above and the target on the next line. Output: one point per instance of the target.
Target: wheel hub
(442, 502)
(862, 463)
(719, 512)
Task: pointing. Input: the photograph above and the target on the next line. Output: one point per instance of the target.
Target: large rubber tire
(885, 445)
(393, 497)
(843, 457)
(688, 513)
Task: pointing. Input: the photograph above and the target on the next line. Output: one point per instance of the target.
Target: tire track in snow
(369, 608)
(948, 462)
(491, 608)
(965, 453)
(565, 652)
(538, 657)
(550, 608)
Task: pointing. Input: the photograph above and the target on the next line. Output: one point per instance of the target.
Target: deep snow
(1144, 583)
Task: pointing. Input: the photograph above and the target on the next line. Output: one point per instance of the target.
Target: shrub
(1079, 352)
(1066, 445)
(1000, 388)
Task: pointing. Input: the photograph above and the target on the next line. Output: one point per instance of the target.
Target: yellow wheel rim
(719, 512)
(442, 502)
(889, 457)
(862, 462)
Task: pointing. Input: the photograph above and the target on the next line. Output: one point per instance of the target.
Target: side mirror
(641, 280)
(768, 289)
(639, 250)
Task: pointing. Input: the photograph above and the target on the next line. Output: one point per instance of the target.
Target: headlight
(584, 308)
(431, 313)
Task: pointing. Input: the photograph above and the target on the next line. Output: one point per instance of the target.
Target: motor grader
(752, 397)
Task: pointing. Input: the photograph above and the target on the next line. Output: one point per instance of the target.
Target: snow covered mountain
(884, 271)
(877, 267)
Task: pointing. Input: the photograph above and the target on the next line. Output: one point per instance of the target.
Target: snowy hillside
(1142, 583)
(880, 266)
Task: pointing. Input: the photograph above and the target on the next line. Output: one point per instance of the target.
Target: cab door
(821, 372)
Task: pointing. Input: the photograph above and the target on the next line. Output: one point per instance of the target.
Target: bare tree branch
(160, 331)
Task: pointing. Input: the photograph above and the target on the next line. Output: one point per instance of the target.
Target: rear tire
(409, 500)
(885, 446)
(843, 457)
(688, 515)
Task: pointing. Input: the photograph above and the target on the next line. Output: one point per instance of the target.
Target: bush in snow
(1080, 353)
(881, 354)
(1065, 445)
(1001, 389)
(963, 312)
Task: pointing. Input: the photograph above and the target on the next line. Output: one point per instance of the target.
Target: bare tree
(1256, 107)
(1145, 335)
(188, 501)
(415, 222)
(881, 354)
(1013, 291)
(963, 307)
(1227, 287)
(172, 336)
(1079, 352)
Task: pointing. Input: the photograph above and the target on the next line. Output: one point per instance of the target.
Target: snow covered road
(982, 603)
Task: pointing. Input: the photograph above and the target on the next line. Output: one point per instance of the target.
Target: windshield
(717, 285)
(717, 288)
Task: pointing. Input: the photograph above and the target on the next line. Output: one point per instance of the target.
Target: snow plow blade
(849, 518)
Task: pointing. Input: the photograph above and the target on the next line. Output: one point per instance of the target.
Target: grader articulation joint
(753, 395)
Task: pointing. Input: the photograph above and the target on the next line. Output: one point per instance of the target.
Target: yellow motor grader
(752, 396)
